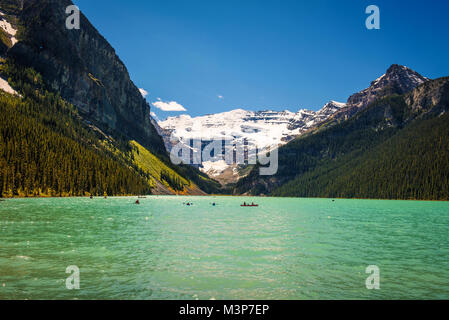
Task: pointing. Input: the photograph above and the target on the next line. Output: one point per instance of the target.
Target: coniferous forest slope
(45, 150)
(72, 123)
(76, 124)
(395, 148)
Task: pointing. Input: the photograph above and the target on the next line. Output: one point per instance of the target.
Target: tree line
(46, 149)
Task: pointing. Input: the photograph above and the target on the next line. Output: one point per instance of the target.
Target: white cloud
(220, 97)
(169, 106)
(143, 92)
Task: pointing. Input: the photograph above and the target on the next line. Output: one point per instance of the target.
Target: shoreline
(216, 195)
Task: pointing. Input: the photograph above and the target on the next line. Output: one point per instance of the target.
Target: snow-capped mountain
(305, 119)
(259, 129)
(271, 128)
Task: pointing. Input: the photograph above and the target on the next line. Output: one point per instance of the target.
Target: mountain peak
(336, 104)
(398, 79)
(397, 68)
(403, 77)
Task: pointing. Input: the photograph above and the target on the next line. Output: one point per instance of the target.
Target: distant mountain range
(272, 128)
(391, 141)
(262, 129)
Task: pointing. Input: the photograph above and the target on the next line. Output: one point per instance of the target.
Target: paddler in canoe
(249, 205)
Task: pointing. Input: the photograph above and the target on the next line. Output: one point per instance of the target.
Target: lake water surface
(284, 249)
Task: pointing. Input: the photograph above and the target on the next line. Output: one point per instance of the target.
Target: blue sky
(212, 56)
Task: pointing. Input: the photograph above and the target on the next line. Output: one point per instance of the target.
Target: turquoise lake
(162, 249)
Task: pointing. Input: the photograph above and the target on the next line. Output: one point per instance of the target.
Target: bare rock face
(397, 80)
(83, 67)
(432, 97)
(306, 120)
(165, 134)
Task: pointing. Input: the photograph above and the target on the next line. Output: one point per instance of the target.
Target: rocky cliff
(82, 66)
(42, 58)
(397, 80)
(431, 97)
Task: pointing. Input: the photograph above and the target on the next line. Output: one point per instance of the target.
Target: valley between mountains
(73, 123)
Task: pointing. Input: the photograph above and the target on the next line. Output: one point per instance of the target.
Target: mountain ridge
(80, 68)
(86, 70)
(319, 163)
(261, 128)
(398, 79)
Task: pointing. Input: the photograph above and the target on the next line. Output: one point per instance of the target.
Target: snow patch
(339, 104)
(375, 82)
(143, 92)
(4, 85)
(214, 168)
(8, 28)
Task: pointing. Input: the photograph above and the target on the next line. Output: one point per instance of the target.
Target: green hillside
(412, 164)
(46, 149)
(158, 170)
(391, 150)
(87, 128)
